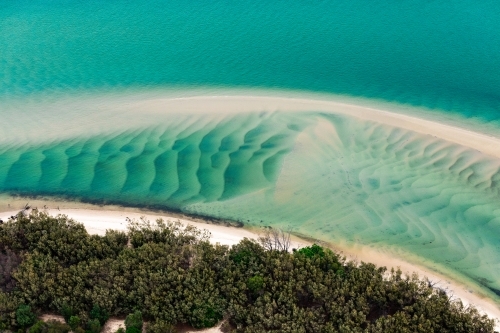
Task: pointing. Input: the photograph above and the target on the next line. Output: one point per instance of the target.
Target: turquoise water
(441, 55)
(66, 133)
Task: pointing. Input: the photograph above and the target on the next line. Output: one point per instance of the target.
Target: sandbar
(118, 112)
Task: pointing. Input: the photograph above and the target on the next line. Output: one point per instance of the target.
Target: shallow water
(365, 183)
(185, 160)
(325, 175)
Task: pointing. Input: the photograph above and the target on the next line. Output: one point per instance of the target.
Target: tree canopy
(167, 274)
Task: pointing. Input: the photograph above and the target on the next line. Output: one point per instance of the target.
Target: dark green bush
(24, 316)
(133, 329)
(94, 326)
(99, 313)
(204, 316)
(134, 320)
(312, 251)
(66, 311)
(74, 322)
(39, 327)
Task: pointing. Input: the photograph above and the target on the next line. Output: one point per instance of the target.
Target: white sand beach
(97, 221)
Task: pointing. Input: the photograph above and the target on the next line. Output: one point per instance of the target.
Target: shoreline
(97, 219)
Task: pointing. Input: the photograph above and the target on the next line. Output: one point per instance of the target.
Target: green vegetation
(99, 314)
(172, 275)
(133, 322)
(312, 251)
(52, 326)
(74, 322)
(24, 316)
(94, 326)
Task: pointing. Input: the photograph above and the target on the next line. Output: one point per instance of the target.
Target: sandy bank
(245, 103)
(98, 221)
(108, 113)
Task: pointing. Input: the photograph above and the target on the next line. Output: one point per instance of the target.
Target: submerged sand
(403, 184)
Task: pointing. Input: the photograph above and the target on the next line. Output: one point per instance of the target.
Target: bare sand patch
(48, 316)
(112, 325)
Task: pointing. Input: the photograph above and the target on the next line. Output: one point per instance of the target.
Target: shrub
(9, 260)
(205, 316)
(246, 253)
(100, 314)
(74, 322)
(66, 311)
(8, 307)
(255, 283)
(134, 320)
(39, 327)
(311, 251)
(159, 326)
(133, 329)
(54, 326)
(94, 326)
(24, 316)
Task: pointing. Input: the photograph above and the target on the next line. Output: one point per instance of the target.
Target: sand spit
(444, 173)
(108, 113)
(245, 103)
(99, 219)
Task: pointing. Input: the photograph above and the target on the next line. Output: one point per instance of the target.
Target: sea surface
(67, 128)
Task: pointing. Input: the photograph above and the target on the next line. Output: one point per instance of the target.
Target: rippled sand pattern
(359, 182)
(188, 160)
(334, 177)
